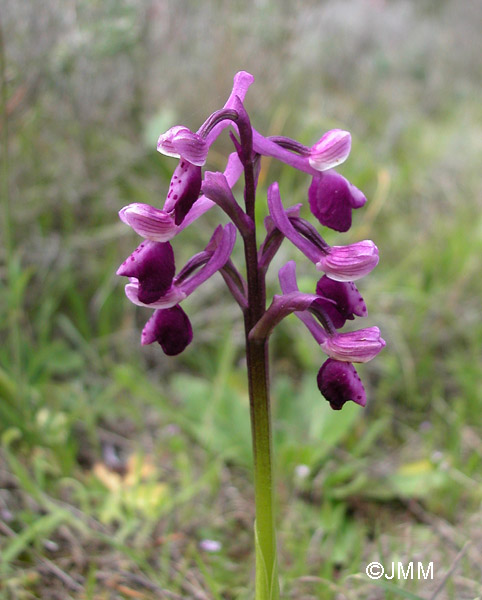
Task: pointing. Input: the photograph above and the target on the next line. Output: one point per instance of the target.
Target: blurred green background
(117, 463)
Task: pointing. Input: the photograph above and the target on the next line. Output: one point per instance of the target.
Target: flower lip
(331, 150)
(171, 328)
(184, 190)
(332, 199)
(339, 383)
(340, 300)
(152, 265)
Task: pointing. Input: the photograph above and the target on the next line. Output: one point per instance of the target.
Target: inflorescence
(153, 281)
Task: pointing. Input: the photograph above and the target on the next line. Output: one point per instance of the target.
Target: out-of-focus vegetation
(117, 462)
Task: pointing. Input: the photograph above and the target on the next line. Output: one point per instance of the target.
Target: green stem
(267, 586)
(265, 533)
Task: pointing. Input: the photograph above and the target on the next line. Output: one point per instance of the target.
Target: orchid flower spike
(341, 263)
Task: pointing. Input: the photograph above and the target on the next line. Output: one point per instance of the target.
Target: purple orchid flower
(151, 268)
(355, 346)
(169, 327)
(337, 378)
(341, 263)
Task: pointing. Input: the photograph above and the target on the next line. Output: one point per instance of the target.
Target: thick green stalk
(267, 586)
(265, 534)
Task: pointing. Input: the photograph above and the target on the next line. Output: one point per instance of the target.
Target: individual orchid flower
(151, 268)
(337, 378)
(341, 263)
(355, 346)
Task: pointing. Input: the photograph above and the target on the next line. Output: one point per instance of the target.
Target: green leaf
(41, 528)
(267, 587)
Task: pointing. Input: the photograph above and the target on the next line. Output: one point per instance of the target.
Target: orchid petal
(165, 142)
(331, 150)
(149, 222)
(332, 198)
(354, 346)
(183, 190)
(349, 263)
(340, 300)
(191, 147)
